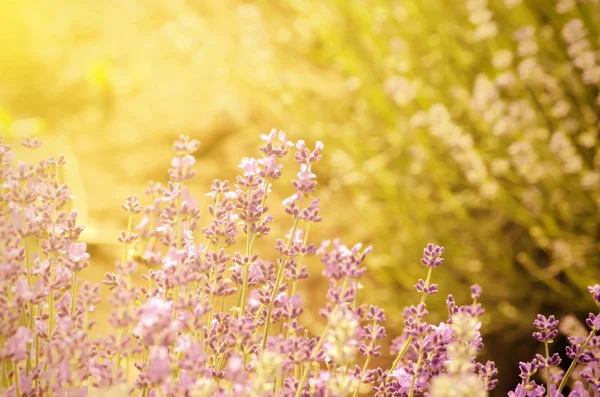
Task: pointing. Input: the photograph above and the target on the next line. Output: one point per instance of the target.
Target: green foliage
(474, 125)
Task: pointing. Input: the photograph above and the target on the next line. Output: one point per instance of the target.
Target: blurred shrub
(474, 124)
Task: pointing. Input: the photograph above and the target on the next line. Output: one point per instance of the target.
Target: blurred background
(469, 123)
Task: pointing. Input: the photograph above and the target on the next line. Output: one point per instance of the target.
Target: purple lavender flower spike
(595, 291)
(432, 256)
(475, 291)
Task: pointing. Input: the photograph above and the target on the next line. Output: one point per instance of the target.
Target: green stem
(262, 204)
(175, 300)
(366, 364)
(198, 282)
(178, 231)
(178, 368)
(5, 383)
(51, 294)
(316, 368)
(118, 344)
(427, 282)
(401, 354)
(74, 283)
(302, 381)
(37, 359)
(410, 338)
(278, 284)
(414, 377)
(213, 282)
(547, 369)
(563, 382)
(29, 345)
(314, 352)
(17, 385)
(5, 211)
(250, 242)
(244, 297)
(27, 259)
(50, 301)
(124, 255)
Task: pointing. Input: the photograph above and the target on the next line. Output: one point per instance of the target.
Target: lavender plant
(582, 351)
(211, 319)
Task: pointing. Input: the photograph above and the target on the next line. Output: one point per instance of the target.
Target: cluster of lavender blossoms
(583, 351)
(216, 318)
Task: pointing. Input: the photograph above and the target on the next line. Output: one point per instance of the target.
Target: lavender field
(422, 220)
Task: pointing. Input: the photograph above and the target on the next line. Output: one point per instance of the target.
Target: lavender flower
(432, 256)
(547, 327)
(214, 319)
(595, 291)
